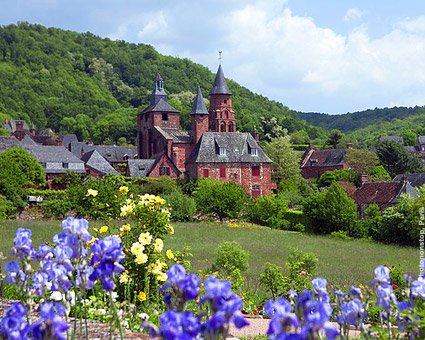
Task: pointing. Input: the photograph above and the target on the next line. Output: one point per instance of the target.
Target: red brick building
(213, 148)
(315, 163)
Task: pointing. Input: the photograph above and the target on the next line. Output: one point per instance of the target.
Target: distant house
(112, 153)
(31, 136)
(9, 142)
(415, 180)
(397, 139)
(96, 165)
(157, 166)
(384, 194)
(315, 163)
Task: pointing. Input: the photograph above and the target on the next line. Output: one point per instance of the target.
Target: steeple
(199, 107)
(220, 85)
(158, 92)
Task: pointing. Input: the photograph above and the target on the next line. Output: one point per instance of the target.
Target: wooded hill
(80, 83)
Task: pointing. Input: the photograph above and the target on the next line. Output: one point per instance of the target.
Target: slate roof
(112, 153)
(7, 142)
(329, 157)
(161, 106)
(11, 125)
(397, 139)
(178, 136)
(67, 139)
(220, 85)
(416, 180)
(27, 140)
(199, 107)
(95, 160)
(382, 192)
(236, 144)
(421, 139)
(51, 154)
(140, 167)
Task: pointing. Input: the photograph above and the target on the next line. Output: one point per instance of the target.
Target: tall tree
(361, 160)
(334, 138)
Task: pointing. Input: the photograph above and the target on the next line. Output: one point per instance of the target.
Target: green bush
(269, 211)
(330, 177)
(58, 208)
(183, 207)
(342, 235)
(158, 186)
(229, 255)
(7, 209)
(272, 279)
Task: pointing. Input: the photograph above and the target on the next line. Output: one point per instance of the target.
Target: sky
(331, 56)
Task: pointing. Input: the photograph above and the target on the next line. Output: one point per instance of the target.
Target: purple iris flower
(176, 325)
(22, 243)
(319, 285)
(385, 296)
(13, 325)
(352, 312)
(50, 325)
(77, 227)
(382, 276)
(44, 253)
(354, 291)
(418, 288)
(14, 272)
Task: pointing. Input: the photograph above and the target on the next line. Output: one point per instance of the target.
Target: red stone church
(213, 148)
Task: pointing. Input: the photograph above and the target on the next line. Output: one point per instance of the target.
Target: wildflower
(126, 209)
(141, 296)
(123, 189)
(169, 254)
(103, 229)
(141, 258)
(96, 230)
(143, 316)
(91, 241)
(92, 192)
(156, 267)
(382, 276)
(418, 288)
(353, 312)
(171, 229)
(303, 273)
(13, 272)
(50, 324)
(125, 228)
(162, 277)
(319, 285)
(354, 291)
(22, 246)
(13, 324)
(176, 325)
(124, 277)
(158, 245)
(145, 238)
(137, 248)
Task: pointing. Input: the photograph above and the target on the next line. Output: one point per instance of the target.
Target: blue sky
(311, 55)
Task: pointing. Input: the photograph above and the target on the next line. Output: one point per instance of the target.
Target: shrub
(330, 177)
(342, 235)
(57, 208)
(7, 209)
(183, 207)
(272, 279)
(269, 211)
(230, 255)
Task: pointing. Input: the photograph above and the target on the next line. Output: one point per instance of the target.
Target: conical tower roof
(199, 107)
(220, 85)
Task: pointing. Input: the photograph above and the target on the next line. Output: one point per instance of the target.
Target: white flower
(101, 311)
(143, 316)
(56, 296)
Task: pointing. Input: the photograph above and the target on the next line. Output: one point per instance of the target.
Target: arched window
(226, 113)
(223, 127)
(230, 129)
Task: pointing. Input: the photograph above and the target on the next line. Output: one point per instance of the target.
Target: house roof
(11, 125)
(140, 167)
(329, 157)
(7, 142)
(27, 140)
(382, 192)
(161, 106)
(67, 139)
(112, 153)
(397, 139)
(416, 180)
(220, 84)
(95, 160)
(236, 145)
(50, 153)
(178, 136)
(199, 107)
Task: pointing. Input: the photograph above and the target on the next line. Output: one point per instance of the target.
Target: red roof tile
(378, 192)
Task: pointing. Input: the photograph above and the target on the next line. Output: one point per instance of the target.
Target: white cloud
(353, 14)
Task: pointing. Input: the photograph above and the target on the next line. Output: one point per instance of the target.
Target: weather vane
(219, 56)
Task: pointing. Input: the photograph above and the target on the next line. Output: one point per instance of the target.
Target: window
(255, 190)
(254, 152)
(146, 117)
(165, 170)
(164, 116)
(65, 165)
(230, 127)
(226, 114)
(223, 127)
(43, 165)
(206, 172)
(225, 101)
(222, 172)
(221, 151)
(255, 169)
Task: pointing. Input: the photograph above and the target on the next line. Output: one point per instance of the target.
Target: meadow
(342, 262)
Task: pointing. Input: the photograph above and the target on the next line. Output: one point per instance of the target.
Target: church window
(225, 101)
(230, 127)
(223, 127)
(222, 172)
(226, 114)
(165, 116)
(65, 165)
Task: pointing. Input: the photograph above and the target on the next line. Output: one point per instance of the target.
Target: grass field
(341, 262)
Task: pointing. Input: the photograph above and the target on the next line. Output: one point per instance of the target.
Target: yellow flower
(169, 254)
(141, 296)
(156, 267)
(171, 229)
(137, 248)
(91, 241)
(125, 228)
(124, 277)
(96, 230)
(92, 192)
(141, 258)
(131, 196)
(103, 229)
(123, 189)
(145, 238)
(159, 200)
(158, 245)
(126, 209)
(162, 276)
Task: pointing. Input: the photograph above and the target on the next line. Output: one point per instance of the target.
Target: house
(9, 142)
(314, 163)
(384, 194)
(415, 180)
(31, 136)
(212, 148)
(96, 165)
(397, 139)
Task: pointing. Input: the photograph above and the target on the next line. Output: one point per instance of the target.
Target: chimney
(32, 131)
(255, 134)
(19, 125)
(364, 178)
(89, 141)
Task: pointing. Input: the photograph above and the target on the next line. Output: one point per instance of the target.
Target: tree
(396, 160)
(330, 177)
(334, 138)
(361, 160)
(271, 128)
(223, 199)
(378, 174)
(285, 160)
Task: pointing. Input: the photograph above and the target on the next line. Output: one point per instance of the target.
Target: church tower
(199, 117)
(221, 115)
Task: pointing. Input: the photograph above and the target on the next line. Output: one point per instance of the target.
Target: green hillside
(80, 83)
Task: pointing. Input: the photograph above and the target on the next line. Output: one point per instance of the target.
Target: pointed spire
(220, 85)
(158, 92)
(199, 107)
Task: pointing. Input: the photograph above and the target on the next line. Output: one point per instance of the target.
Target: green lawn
(341, 262)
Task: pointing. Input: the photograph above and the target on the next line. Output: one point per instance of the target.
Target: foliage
(269, 211)
(230, 255)
(182, 207)
(223, 199)
(7, 209)
(334, 138)
(378, 174)
(285, 160)
(361, 161)
(342, 235)
(333, 176)
(372, 221)
(272, 278)
(58, 208)
(331, 210)
(396, 160)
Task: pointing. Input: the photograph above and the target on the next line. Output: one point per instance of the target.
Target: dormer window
(254, 152)
(65, 165)
(221, 151)
(313, 161)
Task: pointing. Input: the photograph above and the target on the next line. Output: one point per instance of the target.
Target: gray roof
(416, 180)
(161, 106)
(27, 140)
(95, 160)
(236, 144)
(67, 139)
(50, 153)
(178, 136)
(112, 153)
(9, 142)
(11, 125)
(140, 167)
(397, 139)
(220, 85)
(199, 107)
(421, 140)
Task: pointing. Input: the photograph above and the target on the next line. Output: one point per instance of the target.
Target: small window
(65, 165)
(221, 151)
(146, 117)
(206, 172)
(43, 165)
(255, 190)
(164, 116)
(254, 152)
(225, 101)
(222, 172)
(165, 170)
(255, 169)
(141, 168)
